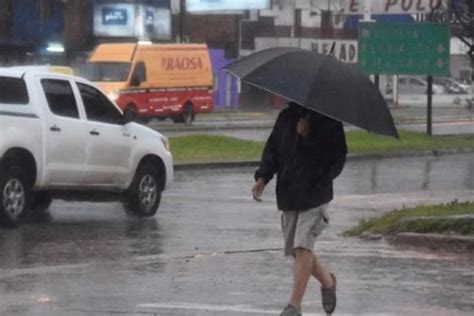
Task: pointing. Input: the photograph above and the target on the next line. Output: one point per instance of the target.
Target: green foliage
(439, 226)
(361, 142)
(392, 222)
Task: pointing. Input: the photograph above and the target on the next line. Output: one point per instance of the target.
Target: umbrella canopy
(320, 83)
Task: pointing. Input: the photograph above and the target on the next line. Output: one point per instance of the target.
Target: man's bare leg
(303, 268)
(320, 273)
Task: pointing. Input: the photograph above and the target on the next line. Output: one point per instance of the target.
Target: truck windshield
(106, 71)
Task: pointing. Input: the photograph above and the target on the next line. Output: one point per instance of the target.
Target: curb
(265, 124)
(213, 127)
(361, 157)
(435, 241)
(216, 165)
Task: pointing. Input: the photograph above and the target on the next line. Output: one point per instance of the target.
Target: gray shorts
(300, 228)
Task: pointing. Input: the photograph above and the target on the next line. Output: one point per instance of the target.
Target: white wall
(283, 11)
(344, 50)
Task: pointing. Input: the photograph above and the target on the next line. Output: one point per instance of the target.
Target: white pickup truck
(61, 137)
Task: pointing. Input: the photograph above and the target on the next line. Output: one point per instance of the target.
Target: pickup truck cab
(61, 137)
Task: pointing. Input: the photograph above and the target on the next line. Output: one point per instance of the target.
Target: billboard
(114, 20)
(132, 20)
(225, 5)
(153, 23)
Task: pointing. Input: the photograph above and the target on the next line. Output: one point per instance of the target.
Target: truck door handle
(94, 132)
(54, 128)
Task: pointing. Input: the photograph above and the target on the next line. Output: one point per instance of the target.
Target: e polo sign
(404, 49)
(392, 6)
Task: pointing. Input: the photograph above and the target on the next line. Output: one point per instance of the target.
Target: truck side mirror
(135, 81)
(129, 115)
(139, 74)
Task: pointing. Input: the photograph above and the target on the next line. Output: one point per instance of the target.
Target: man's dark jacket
(305, 167)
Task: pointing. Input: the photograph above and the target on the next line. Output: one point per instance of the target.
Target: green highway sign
(404, 49)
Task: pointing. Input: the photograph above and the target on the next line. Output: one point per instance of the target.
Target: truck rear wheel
(187, 117)
(14, 195)
(188, 114)
(144, 195)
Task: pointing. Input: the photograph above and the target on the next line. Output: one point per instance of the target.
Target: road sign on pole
(404, 49)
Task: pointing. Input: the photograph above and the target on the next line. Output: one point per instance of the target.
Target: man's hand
(303, 127)
(257, 190)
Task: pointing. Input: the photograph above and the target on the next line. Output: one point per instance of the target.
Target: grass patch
(361, 142)
(392, 222)
(208, 148)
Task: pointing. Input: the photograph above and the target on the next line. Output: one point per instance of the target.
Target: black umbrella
(320, 83)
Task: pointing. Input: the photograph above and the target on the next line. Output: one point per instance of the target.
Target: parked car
(61, 137)
(415, 85)
(451, 86)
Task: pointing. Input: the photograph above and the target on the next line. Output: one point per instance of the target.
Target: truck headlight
(166, 143)
(114, 95)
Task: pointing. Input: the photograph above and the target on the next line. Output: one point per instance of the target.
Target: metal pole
(240, 37)
(429, 112)
(395, 90)
(367, 11)
(228, 90)
(182, 13)
(292, 35)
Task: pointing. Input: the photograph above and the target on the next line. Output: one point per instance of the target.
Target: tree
(460, 14)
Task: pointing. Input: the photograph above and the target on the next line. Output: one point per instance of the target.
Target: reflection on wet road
(211, 250)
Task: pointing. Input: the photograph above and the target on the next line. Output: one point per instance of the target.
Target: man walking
(307, 151)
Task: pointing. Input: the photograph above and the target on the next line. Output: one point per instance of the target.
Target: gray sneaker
(329, 296)
(290, 311)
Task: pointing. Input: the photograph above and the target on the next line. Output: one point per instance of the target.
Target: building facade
(65, 31)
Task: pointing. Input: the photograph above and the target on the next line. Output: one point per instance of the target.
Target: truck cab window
(61, 100)
(98, 108)
(13, 91)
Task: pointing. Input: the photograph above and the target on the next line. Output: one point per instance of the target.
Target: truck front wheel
(144, 195)
(14, 195)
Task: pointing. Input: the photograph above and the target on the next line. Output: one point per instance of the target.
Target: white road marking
(226, 308)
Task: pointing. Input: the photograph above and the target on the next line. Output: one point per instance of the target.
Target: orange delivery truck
(154, 80)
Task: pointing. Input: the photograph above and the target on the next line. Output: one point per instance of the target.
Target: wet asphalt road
(211, 250)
